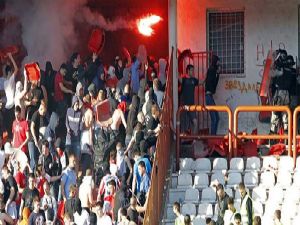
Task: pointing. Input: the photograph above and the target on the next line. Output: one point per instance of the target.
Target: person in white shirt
(86, 190)
(48, 202)
(230, 212)
(102, 218)
(81, 216)
(20, 94)
(9, 89)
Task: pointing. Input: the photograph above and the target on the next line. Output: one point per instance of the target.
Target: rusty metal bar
(184, 136)
(199, 108)
(262, 109)
(295, 133)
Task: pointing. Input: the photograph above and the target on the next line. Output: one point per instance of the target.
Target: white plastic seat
(217, 177)
(229, 192)
(297, 164)
(267, 179)
(185, 180)
(259, 194)
(284, 179)
(205, 210)
(267, 220)
(186, 165)
(251, 179)
(191, 195)
(296, 220)
(199, 221)
(234, 179)
(202, 165)
(237, 195)
(269, 162)
(236, 165)
(258, 208)
(289, 210)
(286, 164)
(253, 164)
(237, 204)
(270, 208)
(219, 164)
(208, 195)
(296, 179)
(189, 208)
(201, 180)
(285, 220)
(292, 195)
(276, 195)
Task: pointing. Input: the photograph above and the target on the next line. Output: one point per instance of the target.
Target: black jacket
(212, 80)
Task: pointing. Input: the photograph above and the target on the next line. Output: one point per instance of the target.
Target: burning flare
(144, 24)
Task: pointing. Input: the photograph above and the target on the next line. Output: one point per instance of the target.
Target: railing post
(295, 134)
(178, 136)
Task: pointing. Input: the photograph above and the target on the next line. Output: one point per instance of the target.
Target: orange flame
(144, 24)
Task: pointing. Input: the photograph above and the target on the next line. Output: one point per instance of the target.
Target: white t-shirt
(9, 88)
(83, 219)
(228, 217)
(104, 220)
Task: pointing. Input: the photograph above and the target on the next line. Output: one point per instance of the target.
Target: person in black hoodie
(49, 85)
(74, 127)
(211, 84)
(132, 117)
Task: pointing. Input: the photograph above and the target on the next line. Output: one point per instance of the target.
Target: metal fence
(161, 162)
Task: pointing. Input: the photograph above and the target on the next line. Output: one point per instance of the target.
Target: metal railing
(233, 135)
(161, 162)
(296, 136)
(262, 136)
(200, 108)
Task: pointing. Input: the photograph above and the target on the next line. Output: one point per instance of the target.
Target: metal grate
(226, 39)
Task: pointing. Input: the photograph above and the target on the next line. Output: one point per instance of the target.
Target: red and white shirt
(19, 130)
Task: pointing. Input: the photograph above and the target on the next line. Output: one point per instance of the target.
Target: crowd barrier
(240, 109)
(234, 135)
(199, 108)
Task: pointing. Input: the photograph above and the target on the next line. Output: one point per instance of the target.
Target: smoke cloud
(48, 28)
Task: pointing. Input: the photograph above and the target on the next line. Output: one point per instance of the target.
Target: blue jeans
(214, 115)
(74, 146)
(33, 154)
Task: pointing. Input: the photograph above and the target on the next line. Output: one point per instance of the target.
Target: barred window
(226, 39)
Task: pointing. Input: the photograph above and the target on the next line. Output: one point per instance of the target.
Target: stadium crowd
(77, 144)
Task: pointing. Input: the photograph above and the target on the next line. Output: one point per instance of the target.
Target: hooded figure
(162, 71)
(125, 79)
(135, 76)
(74, 126)
(112, 101)
(132, 115)
(50, 134)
